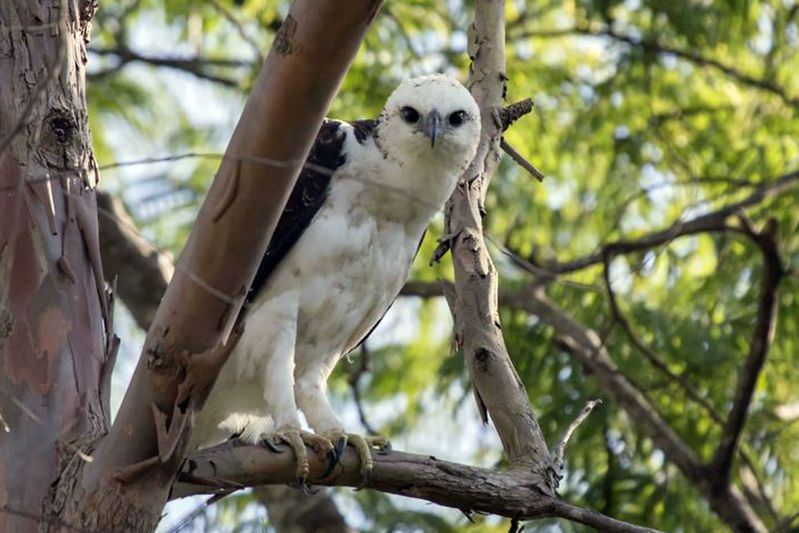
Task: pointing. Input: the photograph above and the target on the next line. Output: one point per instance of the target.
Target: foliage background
(647, 112)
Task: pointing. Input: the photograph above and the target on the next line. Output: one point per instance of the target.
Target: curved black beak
(432, 127)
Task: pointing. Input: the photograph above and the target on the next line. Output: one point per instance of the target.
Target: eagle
(341, 252)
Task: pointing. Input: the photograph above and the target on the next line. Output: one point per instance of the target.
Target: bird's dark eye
(409, 115)
(456, 118)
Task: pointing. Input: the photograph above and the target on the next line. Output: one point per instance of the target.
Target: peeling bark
(54, 317)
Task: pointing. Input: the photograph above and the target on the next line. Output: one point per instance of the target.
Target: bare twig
(758, 493)
(560, 449)
(265, 161)
(510, 114)
(189, 518)
(542, 274)
(168, 61)
(423, 289)
(354, 381)
(597, 520)
(520, 160)
(197, 66)
(652, 46)
(403, 32)
(694, 181)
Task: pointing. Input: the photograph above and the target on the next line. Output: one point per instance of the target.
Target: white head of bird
(430, 127)
(431, 117)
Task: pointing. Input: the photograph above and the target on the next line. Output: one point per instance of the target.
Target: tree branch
(560, 449)
(497, 387)
(722, 461)
(710, 222)
(231, 18)
(588, 348)
(354, 381)
(142, 272)
(520, 160)
(585, 345)
(594, 519)
(467, 488)
(508, 115)
(655, 47)
(513, 112)
(197, 66)
(762, 338)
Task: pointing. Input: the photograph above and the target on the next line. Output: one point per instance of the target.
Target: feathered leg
(311, 394)
(279, 384)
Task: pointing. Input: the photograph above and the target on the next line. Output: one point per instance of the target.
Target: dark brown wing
(364, 129)
(306, 199)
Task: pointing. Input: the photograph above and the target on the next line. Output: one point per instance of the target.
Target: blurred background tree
(649, 114)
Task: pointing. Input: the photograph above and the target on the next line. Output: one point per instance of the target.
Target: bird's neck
(408, 192)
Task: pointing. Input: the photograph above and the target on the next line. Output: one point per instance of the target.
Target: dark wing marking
(364, 129)
(306, 199)
(379, 320)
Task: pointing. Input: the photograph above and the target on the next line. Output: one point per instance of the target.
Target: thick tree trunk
(53, 304)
